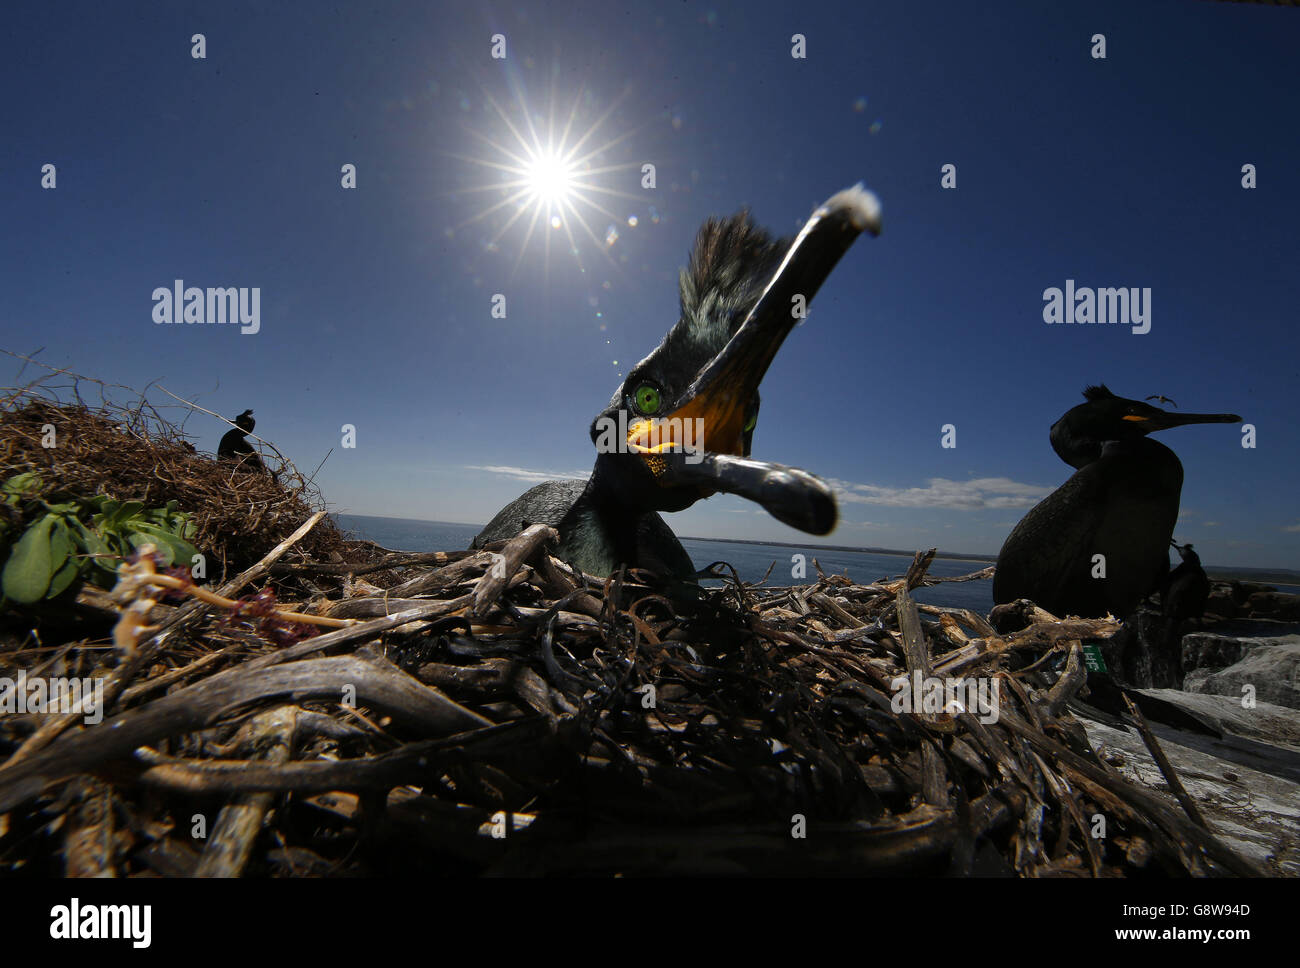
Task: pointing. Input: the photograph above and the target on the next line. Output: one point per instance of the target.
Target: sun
(551, 177)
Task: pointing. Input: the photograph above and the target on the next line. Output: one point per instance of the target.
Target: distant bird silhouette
(1121, 504)
(1161, 399)
(235, 446)
(1184, 593)
(736, 311)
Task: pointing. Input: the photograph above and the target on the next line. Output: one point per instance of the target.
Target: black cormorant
(742, 294)
(1121, 504)
(235, 446)
(1184, 593)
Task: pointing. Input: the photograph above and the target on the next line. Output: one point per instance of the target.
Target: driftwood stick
(198, 706)
(920, 565)
(167, 678)
(1148, 803)
(518, 550)
(394, 559)
(88, 837)
(411, 763)
(441, 578)
(973, 619)
(230, 842)
(358, 633)
(980, 575)
(839, 611)
(1070, 682)
(934, 778)
(1162, 761)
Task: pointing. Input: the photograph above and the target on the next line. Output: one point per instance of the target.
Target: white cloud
(1292, 527)
(939, 492)
(527, 474)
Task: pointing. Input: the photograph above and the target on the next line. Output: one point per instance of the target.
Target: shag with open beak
(1100, 542)
(680, 426)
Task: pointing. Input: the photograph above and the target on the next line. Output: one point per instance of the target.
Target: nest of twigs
(495, 711)
(136, 453)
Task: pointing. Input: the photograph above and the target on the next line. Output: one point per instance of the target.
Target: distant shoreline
(951, 555)
(1261, 575)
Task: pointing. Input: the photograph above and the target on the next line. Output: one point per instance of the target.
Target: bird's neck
(1075, 449)
(601, 526)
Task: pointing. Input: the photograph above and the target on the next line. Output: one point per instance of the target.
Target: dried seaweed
(511, 715)
(496, 711)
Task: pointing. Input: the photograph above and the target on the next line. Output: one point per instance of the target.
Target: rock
(1220, 603)
(1271, 666)
(1140, 654)
(1265, 723)
(1256, 812)
(1202, 650)
(1274, 605)
(1221, 644)
(1242, 590)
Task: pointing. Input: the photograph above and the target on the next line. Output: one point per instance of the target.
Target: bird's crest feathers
(732, 261)
(1098, 392)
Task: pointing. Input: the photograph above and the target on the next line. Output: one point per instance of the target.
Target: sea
(750, 560)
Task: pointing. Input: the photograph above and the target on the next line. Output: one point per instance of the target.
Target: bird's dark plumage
(1186, 591)
(1121, 504)
(235, 446)
(736, 298)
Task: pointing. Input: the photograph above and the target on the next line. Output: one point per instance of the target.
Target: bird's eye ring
(647, 399)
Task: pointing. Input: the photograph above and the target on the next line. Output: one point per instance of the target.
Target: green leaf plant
(49, 546)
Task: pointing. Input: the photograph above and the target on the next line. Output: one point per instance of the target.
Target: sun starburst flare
(549, 176)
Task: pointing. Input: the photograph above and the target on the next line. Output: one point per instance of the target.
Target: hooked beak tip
(859, 205)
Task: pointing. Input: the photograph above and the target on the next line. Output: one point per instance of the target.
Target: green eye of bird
(646, 398)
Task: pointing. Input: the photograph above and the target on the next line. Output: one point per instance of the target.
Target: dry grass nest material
(496, 711)
(138, 454)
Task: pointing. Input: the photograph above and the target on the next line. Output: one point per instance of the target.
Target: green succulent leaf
(64, 577)
(172, 547)
(61, 544)
(28, 571)
(83, 539)
(20, 486)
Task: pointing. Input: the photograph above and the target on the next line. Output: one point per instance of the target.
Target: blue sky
(375, 302)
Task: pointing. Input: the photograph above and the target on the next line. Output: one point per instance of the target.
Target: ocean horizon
(750, 558)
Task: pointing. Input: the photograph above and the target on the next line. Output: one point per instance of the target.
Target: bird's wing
(546, 503)
(1047, 558)
(1143, 483)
